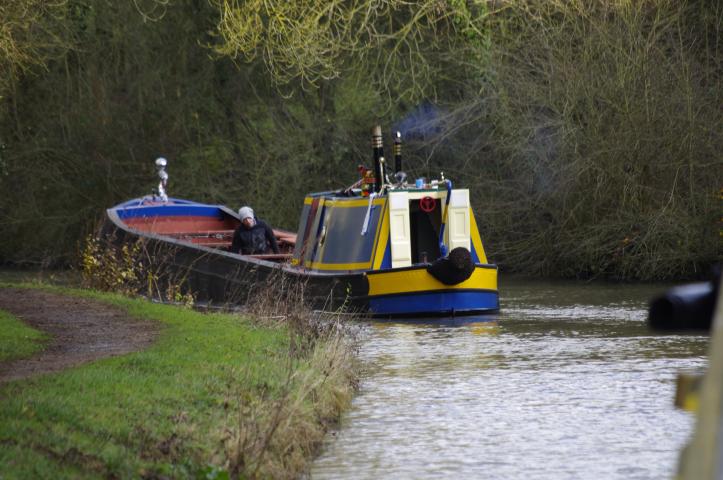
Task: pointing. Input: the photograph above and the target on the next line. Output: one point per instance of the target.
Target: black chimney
(378, 149)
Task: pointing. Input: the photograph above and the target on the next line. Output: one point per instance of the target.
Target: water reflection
(565, 382)
(440, 322)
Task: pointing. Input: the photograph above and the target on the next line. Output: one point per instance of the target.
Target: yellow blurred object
(687, 391)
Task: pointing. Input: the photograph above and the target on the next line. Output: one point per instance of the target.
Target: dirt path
(81, 331)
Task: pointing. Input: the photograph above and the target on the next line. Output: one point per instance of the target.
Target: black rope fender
(454, 268)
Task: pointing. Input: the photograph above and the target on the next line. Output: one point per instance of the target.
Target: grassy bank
(17, 340)
(217, 396)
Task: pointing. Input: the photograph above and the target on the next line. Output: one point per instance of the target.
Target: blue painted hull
(437, 303)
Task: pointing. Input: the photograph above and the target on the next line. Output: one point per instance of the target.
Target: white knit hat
(245, 212)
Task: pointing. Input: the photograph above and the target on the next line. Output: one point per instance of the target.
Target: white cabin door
(457, 230)
(399, 231)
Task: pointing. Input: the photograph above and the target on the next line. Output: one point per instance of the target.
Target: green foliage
(402, 47)
(592, 145)
(216, 395)
(605, 135)
(17, 340)
(588, 132)
(27, 37)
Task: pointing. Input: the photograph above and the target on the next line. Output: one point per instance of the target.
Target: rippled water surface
(566, 382)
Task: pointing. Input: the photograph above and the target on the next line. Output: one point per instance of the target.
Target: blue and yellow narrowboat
(387, 247)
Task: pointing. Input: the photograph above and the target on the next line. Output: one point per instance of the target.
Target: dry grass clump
(274, 435)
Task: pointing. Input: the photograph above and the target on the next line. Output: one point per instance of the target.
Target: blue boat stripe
(170, 211)
(387, 260)
(475, 257)
(435, 303)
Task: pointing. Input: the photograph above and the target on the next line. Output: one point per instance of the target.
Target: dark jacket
(255, 240)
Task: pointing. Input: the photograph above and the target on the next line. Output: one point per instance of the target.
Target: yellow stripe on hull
(419, 280)
(346, 203)
(475, 237)
(380, 242)
(338, 266)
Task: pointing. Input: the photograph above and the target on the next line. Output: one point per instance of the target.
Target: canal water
(566, 382)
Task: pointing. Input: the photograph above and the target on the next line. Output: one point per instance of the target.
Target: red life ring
(427, 204)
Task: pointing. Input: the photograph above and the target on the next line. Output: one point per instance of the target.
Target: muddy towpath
(79, 330)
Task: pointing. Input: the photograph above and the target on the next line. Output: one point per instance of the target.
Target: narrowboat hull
(189, 239)
(414, 291)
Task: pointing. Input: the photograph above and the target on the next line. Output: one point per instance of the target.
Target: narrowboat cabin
(392, 241)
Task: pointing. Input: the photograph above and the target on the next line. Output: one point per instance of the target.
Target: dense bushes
(588, 131)
(605, 138)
